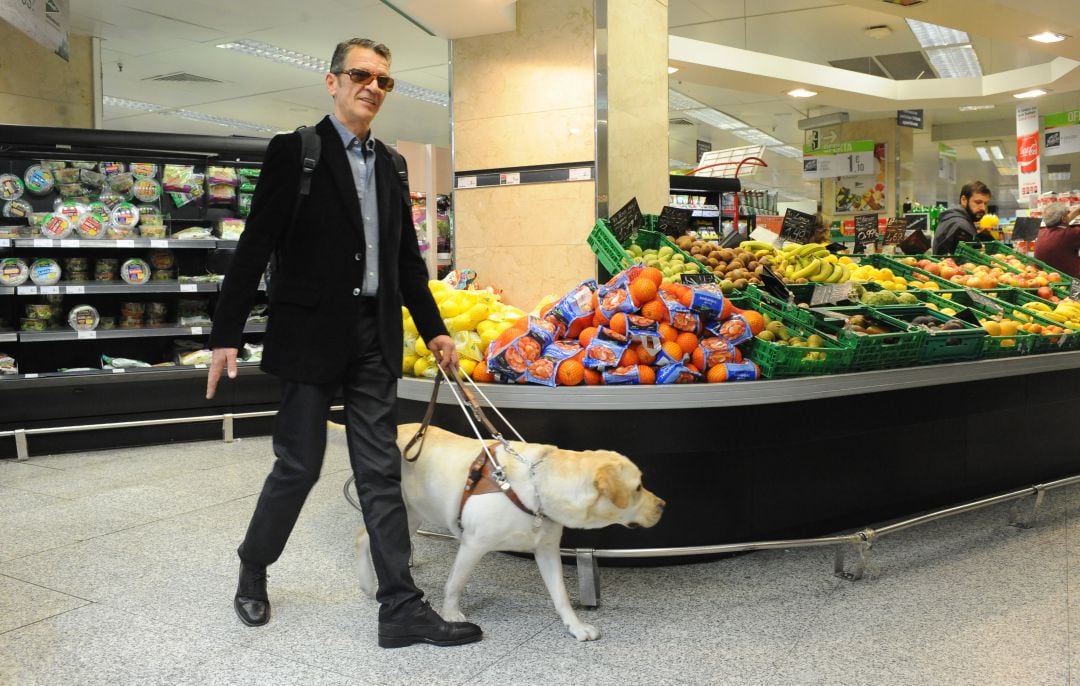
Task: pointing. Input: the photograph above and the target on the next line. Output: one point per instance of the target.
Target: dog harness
(482, 479)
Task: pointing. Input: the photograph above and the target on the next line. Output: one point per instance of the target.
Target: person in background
(1058, 244)
(822, 234)
(960, 223)
(342, 273)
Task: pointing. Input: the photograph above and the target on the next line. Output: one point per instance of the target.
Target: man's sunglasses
(364, 77)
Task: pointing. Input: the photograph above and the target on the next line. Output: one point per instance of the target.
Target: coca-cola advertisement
(1027, 153)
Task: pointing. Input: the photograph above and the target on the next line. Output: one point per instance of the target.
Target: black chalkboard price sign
(917, 221)
(894, 232)
(866, 231)
(698, 279)
(773, 285)
(1026, 228)
(627, 221)
(798, 227)
(674, 221)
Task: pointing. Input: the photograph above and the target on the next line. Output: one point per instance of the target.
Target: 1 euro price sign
(848, 158)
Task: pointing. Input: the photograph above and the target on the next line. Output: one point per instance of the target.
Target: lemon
(410, 326)
(461, 322)
(484, 326)
(408, 363)
(467, 366)
(420, 366)
(478, 313)
(487, 337)
(449, 308)
(421, 349)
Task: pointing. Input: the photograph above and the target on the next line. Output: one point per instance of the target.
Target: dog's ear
(609, 483)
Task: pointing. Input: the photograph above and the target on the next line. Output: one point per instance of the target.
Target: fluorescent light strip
(975, 108)
(1048, 37)
(758, 137)
(955, 63)
(984, 154)
(1033, 93)
(192, 115)
(708, 115)
(678, 101)
(801, 93)
(995, 150)
(311, 63)
(788, 151)
(934, 36)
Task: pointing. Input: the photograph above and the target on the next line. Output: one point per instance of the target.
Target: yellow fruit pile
(1065, 312)
(473, 318)
(888, 280)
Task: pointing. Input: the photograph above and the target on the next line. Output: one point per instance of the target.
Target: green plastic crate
(908, 272)
(994, 247)
(1017, 299)
(654, 240)
(900, 348)
(941, 346)
(607, 249)
(778, 361)
(755, 296)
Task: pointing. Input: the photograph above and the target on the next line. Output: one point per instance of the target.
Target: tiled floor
(119, 568)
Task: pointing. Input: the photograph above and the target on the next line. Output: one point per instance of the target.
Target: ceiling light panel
(933, 35)
(1048, 37)
(955, 63)
(311, 63)
(708, 115)
(975, 108)
(678, 101)
(984, 154)
(787, 151)
(1033, 93)
(190, 115)
(801, 93)
(758, 137)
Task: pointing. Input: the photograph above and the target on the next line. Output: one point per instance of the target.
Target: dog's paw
(452, 615)
(584, 632)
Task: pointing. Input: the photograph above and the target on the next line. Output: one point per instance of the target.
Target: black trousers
(370, 392)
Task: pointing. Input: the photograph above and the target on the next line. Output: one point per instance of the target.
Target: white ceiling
(154, 37)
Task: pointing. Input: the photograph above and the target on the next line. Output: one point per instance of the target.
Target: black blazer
(311, 333)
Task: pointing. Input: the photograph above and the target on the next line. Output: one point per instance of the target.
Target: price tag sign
(466, 182)
(698, 279)
(5, 242)
(30, 376)
(50, 290)
(774, 286)
(69, 243)
(26, 290)
(894, 231)
(797, 227)
(75, 290)
(510, 179)
(200, 366)
(917, 221)
(125, 243)
(832, 294)
(189, 287)
(1074, 290)
(196, 331)
(627, 221)
(674, 221)
(118, 370)
(85, 335)
(158, 243)
(1026, 228)
(866, 231)
(580, 174)
(43, 242)
(980, 299)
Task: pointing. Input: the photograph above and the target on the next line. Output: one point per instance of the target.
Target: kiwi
(727, 255)
(714, 255)
(752, 265)
(740, 284)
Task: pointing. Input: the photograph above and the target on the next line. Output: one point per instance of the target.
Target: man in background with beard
(960, 223)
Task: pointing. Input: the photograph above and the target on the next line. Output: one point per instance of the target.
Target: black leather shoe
(251, 602)
(424, 625)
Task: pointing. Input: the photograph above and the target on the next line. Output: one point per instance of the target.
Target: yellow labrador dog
(578, 489)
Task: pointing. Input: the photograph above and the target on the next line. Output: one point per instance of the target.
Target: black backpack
(310, 149)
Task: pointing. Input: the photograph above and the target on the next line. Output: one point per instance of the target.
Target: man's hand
(224, 358)
(445, 352)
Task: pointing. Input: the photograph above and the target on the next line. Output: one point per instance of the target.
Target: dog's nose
(661, 504)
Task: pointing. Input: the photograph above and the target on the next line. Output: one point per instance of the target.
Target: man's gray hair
(337, 62)
(1054, 214)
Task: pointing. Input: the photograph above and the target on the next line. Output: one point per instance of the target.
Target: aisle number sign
(1061, 133)
(848, 158)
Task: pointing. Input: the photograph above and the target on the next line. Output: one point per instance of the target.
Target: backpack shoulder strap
(310, 149)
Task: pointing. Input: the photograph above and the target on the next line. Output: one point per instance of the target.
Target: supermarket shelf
(681, 206)
(105, 334)
(7, 290)
(93, 287)
(9, 336)
(99, 375)
(79, 243)
(777, 391)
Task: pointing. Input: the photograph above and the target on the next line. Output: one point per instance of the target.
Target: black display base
(813, 467)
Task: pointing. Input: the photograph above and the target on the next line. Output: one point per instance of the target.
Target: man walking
(342, 270)
(959, 223)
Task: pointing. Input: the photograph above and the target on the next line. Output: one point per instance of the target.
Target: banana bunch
(1067, 312)
(815, 264)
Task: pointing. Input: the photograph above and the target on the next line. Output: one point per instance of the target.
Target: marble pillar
(37, 88)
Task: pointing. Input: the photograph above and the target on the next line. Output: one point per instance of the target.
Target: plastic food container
(110, 168)
(91, 178)
(39, 311)
(105, 268)
(162, 259)
(147, 190)
(17, 209)
(157, 310)
(122, 183)
(39, 180)
(132, 309)
(120, 232)
(125, 215)
(45, 272)
(91, 225)
(163, 275)
(152, 230)
(53, 165)
(76, 264)
(107, 323)
(84, 164)
(144, 170)
(110, 199)
(56, 226)
(38, 218)
(80, 277)
(84, 318)
(67, 174)
(71, 209)
(27, 324)
(11, 187)
(13, 271)
(131, 322)
(135, 272)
